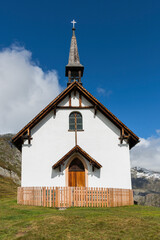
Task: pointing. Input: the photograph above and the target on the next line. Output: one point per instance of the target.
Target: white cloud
(146, 154)
(104, 92)
(158, 131)
(25, 89)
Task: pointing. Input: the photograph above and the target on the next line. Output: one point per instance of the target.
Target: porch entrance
(76, 174)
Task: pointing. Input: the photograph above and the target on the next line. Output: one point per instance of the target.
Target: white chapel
(75, 141)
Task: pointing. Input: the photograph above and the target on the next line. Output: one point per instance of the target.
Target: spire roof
(74, 70)
(73, 54)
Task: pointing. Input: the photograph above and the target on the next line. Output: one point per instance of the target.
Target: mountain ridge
(143, 172)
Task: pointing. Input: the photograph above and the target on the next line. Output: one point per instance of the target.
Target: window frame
(73, 130)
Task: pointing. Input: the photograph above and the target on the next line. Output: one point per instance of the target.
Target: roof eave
(39, 116)
(77, 149)
(61, 96)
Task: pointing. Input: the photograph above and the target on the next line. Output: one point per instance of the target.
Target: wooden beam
(54, 111)
(123, 136)
(69, 76)
(74, 107)
(22, 139)
(70, 100)
(129, 137)
(27, 137)
(79, 76)
(75, 129)
(95, 110)
(122, 131)
(80, 100)
(74, 91)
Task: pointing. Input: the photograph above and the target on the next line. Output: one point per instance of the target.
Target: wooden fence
(62, 197)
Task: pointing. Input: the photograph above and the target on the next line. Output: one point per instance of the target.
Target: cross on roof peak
(73, 23)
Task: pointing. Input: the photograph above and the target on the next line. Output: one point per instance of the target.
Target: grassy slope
(26, 222)
(10, 159)
(7, 187)
(10, 156)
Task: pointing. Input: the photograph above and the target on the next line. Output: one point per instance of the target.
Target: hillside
(10, 166)
(10, 159)
(145, 183)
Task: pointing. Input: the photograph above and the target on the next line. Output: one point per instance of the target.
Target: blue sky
(119, 46)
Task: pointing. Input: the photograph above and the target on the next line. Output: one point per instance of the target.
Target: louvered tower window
(75, 121)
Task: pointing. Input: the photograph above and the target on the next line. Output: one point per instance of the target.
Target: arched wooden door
(76, 174)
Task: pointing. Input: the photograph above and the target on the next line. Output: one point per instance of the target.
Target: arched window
(75, 121)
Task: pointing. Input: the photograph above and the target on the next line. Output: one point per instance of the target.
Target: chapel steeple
(74, 70)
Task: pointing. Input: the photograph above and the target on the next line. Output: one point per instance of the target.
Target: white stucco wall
(52, 140)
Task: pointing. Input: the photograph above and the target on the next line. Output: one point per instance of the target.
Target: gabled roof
(133, 139)
(77, 149)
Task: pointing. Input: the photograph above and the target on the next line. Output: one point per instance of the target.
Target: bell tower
(74, 70)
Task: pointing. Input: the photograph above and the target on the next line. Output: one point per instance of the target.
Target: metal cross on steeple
(73, 23)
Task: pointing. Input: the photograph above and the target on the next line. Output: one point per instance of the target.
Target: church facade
(75, 141)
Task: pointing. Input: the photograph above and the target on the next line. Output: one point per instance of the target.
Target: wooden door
(76, 174)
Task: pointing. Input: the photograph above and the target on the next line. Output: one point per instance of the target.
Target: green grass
(27, 222)
(8, 188)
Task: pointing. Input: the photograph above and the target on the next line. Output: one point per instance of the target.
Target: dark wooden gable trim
(75, 86)
(17, 139)
(133, 138)
(82, 152)
(101, 107)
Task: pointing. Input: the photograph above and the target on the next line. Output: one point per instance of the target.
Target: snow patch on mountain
(139, 172)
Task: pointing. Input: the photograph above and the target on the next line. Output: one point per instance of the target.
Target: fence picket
(81, 202)
(47, 196)
(69, 197)
(50, 197)
(74, 192)
(91, 196)
(74, 196)
(53, 197)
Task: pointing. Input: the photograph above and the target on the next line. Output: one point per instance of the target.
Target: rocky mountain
(10, 166)
(10, 158)
(146, 186)
(138, 172)
(145, 183)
